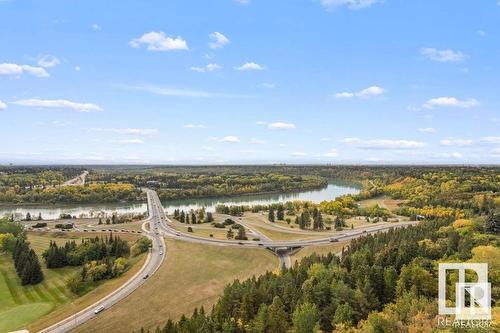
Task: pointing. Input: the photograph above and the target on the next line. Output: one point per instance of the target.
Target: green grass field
(21, 306)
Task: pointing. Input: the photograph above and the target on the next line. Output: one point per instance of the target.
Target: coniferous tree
(271, 216)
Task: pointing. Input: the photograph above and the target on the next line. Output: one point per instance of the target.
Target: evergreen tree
(210, 217)
(277, 319)
(241, 233)
(270, 215)
(182, 217)
(280, 214)
(305, 318)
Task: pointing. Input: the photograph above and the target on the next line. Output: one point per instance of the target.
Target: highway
(78, 180)
(160, 226)
(153, 262)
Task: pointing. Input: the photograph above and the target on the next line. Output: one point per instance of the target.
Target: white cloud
(481, 33)
(371, 91)
(218, 40)
(325, 139)
(250, 66)
(451, 102)
(158, 41)
(260, 122)
(127, 141)
(450, 142)
(96, 27)
(442, 55)
(229, 138)
(207, 68)
(242, 2)
(58, 104)
(351, 4)
(3, 106)
(59, 123)
(364, 93)
(269, 85)
(194, 126)
(450, 155)
(207, 148)
(15, 69)
(427, 130)
(257, 141)
(48, 61)
(77, 68)
(128, 131)
(490, 139)
(181, 92)
(343, 95)
(330, 154)
(383, 143)
(281, 125)
(299, 154)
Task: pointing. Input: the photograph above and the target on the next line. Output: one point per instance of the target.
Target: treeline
(26, 262)
(13, 240)
(382, 283)
(193, 216)
(181, 183)
(34, 176)
(89, 193)
(89, 249)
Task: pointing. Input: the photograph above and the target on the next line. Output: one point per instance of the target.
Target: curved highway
(159, 227)
(153, 262)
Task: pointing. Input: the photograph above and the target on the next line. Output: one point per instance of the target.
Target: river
(330, 192)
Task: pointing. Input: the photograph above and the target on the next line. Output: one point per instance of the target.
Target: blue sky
(227, 81)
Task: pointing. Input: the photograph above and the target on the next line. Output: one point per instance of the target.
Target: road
(153, 262)
(78, 180)
(265, 242)
(160, 226)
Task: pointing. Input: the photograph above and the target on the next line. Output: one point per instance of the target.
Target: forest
(385, 282)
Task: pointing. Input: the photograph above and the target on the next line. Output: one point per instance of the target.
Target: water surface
(330, 192)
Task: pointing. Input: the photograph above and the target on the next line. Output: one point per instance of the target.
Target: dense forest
(88, 193)
(382, 283)
(180, 183)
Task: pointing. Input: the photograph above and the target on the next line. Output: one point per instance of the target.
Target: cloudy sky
(250, 81)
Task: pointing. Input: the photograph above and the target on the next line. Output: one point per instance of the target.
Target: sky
(250, 82)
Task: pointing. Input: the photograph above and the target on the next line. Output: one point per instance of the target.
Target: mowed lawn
(192, 275)
(21, 306)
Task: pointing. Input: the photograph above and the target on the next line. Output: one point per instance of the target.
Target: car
(240, 243)
(260, 244)
(334, 240)
(161, 252)
(364, 231)
(157, 234)
(99, 309)
(145, 276)
(177, 233)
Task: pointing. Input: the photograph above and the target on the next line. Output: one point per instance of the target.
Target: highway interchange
(159, 228)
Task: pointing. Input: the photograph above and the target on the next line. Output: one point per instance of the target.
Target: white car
(99, 309)
(161, 252)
